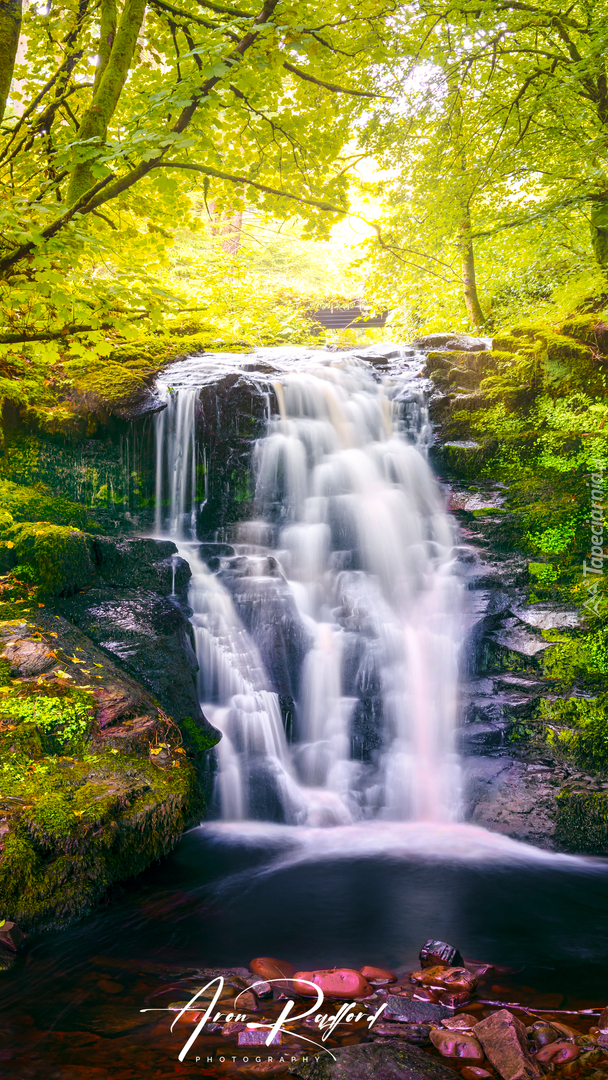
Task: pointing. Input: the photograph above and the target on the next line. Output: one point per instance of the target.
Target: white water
(361, 580)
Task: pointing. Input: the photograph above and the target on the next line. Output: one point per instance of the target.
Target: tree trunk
(10, 25)
(599, 232)
(467, 262)
(116, 50)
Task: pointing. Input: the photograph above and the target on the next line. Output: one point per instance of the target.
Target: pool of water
(346, 896)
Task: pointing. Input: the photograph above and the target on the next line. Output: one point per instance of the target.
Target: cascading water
(327, 633)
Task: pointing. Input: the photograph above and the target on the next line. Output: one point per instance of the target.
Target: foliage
(63, 722)
(582, 729)
(56, 558)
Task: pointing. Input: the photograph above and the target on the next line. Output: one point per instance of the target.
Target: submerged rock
(415, 1012)
(375, 1061)
(343, 983)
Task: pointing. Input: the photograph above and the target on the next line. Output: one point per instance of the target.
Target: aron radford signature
(348, 1013)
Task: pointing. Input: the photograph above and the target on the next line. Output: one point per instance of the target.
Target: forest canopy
(122, 123)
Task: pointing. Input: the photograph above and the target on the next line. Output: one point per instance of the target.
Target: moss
(579, 728)
(582, 821)
(194, 739)
(589, 329)
(36, 503)
(54, 557)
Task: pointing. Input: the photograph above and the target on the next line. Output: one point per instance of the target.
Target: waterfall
(327, 633)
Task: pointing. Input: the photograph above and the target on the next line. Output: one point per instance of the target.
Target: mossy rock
(56, 558)
(464, 379)
(105, 381)
(505, 343)
(438, 361)
(87, 825)
(37, 504)
(589, 329)
(582, 821)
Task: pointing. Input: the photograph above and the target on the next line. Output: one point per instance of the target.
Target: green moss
(55, 558)
(579, 726)
(62, 721)
(36, 503)
(195, 739)
(582, 821)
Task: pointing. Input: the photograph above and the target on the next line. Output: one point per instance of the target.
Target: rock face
(375, 1061)
(505, 1042)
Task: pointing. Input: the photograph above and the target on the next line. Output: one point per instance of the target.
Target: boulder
(462, 342)
(11, 937)
(141, 563)
(505, 1042)
(374, 1061)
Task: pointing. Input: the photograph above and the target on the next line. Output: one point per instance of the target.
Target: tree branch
(328, 86)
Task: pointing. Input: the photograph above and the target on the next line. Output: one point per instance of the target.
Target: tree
(127, 107)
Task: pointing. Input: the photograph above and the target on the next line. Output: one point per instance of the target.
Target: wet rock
(558, 1053)
(269, 968)
(148, 636)
(457, 979)
(456, 1044)
(439, 952)
(414, 1012)
(258, 1038)
(343, 983)
(412, 1033)
(505, 1042)
(378, 975)
(463, 1022)
(473, 1072)
(141, 563)
(542, 1034)
(516, 798)
(268, 609)
(449, 341)
(375, 1061)
(603, 1021)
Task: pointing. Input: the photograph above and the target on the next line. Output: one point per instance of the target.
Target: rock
(462, 1022)
(260, 988)
(248, 1002)
(603, 1020)
(141, 563)
(258, 1038)
(457, 1044)
(414, 1012)
(413, 1033)
(269, 968)
(338, 982)
(462, 342)
(473, 1072)
(439, 952)
(149, 636)
(375, 1061)
(11, 937)
(542, 1034)
(557, 1053)
(505, 1042)
(377, 975)
(457, 979)
(28, 658)
(455, 999)
(233, 1028)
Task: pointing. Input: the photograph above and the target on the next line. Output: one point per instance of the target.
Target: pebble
(558, 1053)
(473, 1072)
(258, 1038)
(415, 1012)
(337, 982)
(462, 1022)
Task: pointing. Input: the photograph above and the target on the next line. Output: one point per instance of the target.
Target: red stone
(456, 1044)
(337, 982)
(268, 967)
(377, 975)
(505, 1041)
(457, 979)
(473, 1072)
(557, 1053)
